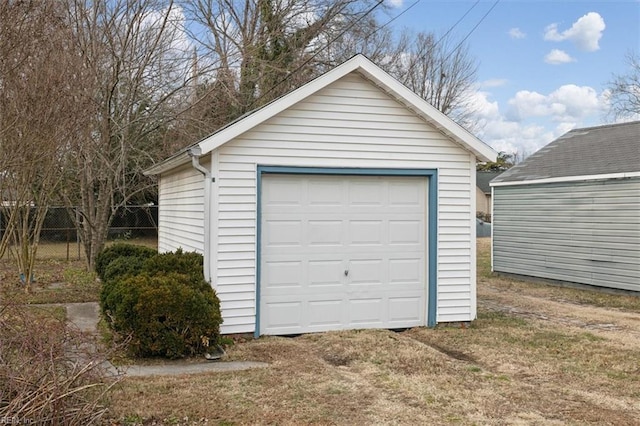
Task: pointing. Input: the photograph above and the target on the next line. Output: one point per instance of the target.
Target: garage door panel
(366, 194)
(403, 232)
(406, 310)
(282, 233)
(366, 232)
(325, 193)
(406, 195)
(283, 274)
(374, 228)
(325, 232)
(406, 271)
(366, 312)
(324, 273)
(283, 192)
(283, 315)
(324, 313)
(366, 271)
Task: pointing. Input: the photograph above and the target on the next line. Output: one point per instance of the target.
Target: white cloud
(482, 107)
(175, 47)
(564, 127)
(526, 104)
(494, 82)
(510, 137)
(505, 135)
(516, 33)
(532, 119)
(568, 103)
(584, 33)
(578, 102)
(557, 56)
(395, 3)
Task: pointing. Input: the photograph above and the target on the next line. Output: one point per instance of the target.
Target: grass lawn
(56, 280)
(537, 354)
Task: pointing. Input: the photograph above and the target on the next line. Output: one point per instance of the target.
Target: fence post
(78, 232)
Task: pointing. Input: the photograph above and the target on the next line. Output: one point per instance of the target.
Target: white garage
(348, 203)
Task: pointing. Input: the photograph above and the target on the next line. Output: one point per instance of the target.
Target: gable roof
(483, 178)
(370, 71)
(582, 154)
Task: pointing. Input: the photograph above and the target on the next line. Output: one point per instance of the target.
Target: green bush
(115, 271)
(165, 315)
(188, 264)
(160, 303)
(115, 251)
(123, 266)
(179, 262)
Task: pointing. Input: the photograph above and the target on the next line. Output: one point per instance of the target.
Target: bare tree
(379, 43)
(255, 51)
(135, 75)
(624, 90)
(259, 50)
(440, 70)
(37, 119)
(441, 73)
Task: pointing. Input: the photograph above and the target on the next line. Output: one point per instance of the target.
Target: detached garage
(348, 203)
(571, 211)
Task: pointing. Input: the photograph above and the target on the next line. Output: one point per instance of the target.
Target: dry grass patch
(57, 282)
(537, 354)
(502, 369)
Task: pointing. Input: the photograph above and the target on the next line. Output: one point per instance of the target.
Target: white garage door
(342, 252)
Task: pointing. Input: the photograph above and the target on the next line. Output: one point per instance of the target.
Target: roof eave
(563, 179)
(281, 104)
(429, 113)
(172, 162)
(359, 63)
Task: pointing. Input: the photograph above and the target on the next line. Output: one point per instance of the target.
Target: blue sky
(543, 65)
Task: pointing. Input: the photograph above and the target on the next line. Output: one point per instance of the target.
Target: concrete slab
(84, 315)
(177, 368)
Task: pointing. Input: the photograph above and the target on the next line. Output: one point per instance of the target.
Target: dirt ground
(536, 355)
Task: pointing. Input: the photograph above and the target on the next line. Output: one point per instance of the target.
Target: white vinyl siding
(349, 123)
(583, 232)
(181, 210)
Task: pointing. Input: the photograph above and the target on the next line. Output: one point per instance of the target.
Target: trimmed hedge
(161, 303)
(164, 315)
(117, 250)
(115, 271)
(187, 263)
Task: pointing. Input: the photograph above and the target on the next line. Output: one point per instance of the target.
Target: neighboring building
(483, 192)
(571, 211)
(347, 203)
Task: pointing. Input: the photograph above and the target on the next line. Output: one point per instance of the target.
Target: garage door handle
(346, 272)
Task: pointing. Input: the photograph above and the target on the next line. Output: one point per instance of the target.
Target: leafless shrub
(49, 374)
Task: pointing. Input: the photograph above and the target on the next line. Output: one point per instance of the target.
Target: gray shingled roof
(483, 179)
(614, 148)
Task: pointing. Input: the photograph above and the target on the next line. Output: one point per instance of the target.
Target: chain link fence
(59, 239)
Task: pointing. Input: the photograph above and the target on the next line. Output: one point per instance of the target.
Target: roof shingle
(613, 148)
(483, 178)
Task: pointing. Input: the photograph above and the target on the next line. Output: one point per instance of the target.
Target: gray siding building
(483, 192)
(571, 211)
